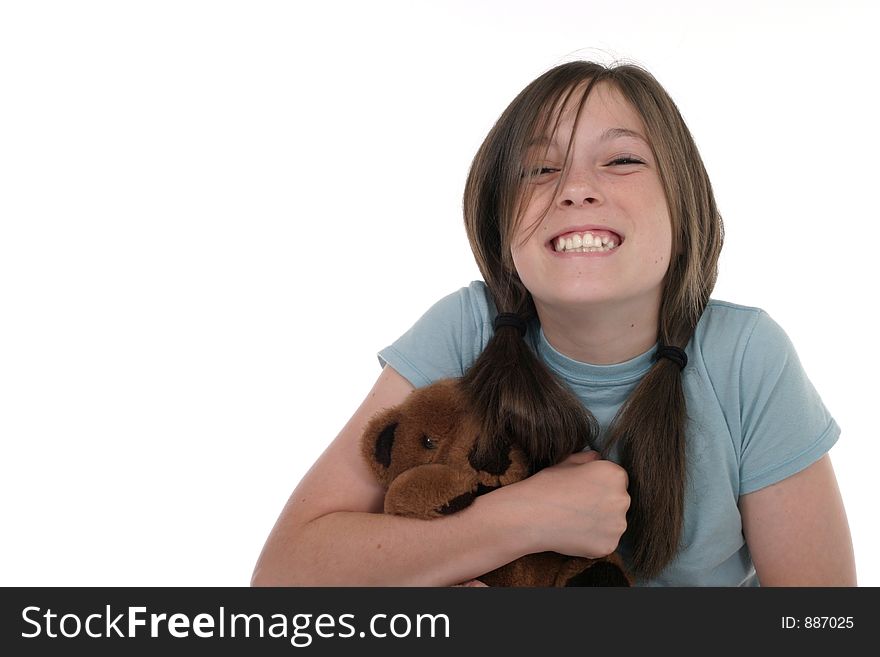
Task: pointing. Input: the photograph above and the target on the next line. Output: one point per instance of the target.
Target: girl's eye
(539, 171)
(626, 160)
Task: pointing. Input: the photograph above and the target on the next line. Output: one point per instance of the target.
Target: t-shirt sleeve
(785, 425)
(444, 342)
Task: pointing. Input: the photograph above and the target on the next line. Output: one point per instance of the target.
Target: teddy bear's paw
(601, 572)
(457, 503)
(518, 469)
(430, 491)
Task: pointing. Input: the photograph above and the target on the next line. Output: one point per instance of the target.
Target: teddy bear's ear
(378, 440)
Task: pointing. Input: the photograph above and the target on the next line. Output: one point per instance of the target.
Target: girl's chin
(577, 301)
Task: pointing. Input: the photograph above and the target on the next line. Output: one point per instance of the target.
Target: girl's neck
(601, 334)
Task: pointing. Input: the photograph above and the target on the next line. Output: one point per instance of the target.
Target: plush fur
(421, 451)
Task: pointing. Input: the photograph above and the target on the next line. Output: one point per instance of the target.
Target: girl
(593, 222)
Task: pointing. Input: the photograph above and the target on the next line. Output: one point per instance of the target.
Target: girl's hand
(471, 582)
(577, 507)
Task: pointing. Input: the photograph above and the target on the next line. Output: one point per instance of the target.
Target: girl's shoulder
(732, 336)
(446, 339)
(727, 321)
(477, 297)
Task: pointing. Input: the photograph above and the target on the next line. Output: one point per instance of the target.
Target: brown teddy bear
(422, 452)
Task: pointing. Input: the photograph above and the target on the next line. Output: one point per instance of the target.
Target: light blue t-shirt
(754, 418)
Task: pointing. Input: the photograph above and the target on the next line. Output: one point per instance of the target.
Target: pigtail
(650, 428)
(520, 402)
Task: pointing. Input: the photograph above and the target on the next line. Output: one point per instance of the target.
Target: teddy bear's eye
(428, 442)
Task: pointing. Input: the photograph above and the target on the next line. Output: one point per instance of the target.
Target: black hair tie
(672, 353)
(512, 320)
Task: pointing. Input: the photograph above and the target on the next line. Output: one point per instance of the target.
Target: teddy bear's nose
(495, 461)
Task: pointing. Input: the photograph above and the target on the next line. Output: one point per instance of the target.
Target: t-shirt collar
(574, 370)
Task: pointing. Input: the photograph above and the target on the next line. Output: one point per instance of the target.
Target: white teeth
(586, 243)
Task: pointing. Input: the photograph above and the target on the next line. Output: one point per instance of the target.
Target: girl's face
(611, 193)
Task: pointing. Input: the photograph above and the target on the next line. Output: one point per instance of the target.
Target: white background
(214, 214)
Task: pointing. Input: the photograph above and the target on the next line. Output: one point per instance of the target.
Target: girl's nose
(577, 192)
(575, 200)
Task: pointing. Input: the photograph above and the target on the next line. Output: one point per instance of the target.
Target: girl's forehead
(605, 105)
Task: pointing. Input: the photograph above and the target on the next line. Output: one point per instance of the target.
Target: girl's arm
(797, 531)
(331, 532)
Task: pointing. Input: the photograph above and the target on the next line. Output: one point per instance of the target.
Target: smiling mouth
(593, 241)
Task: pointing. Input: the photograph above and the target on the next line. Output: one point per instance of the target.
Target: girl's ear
(378, 441)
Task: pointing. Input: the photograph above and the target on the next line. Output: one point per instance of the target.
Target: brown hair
(515, 394)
